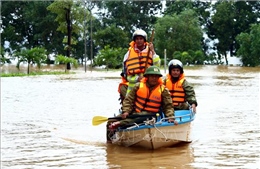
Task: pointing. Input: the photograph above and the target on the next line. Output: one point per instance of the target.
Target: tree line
(191, 31)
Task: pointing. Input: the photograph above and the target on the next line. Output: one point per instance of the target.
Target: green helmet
(153, 70)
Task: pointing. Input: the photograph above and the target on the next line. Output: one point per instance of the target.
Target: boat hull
(157, 135)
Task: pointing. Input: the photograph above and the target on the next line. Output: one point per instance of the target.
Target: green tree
(178, 33)
(28, 25)
(31, 56)
(201, 9)
(185, 58)
(198, 57)
(61, 59)
(228, 21)
(70, 19)
(222, 27)
(176, 55)
(129, 15)
(90, 25)
(3, 59)
(111, 57)
(250, 46)
(113, 36)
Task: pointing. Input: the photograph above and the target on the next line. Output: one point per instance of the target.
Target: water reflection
(180, 156)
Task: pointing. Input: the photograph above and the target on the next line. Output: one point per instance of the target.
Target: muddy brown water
(46, 122)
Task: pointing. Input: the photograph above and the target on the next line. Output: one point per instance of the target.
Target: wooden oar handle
(148, 53)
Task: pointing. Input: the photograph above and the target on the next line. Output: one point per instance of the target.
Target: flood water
(46, 122)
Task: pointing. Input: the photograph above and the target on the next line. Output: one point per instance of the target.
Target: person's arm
(190, 95)
(168, 107)
(126, 56)
(129, 100)
(167, 103)
(123, 63)
(164, 80)
(156, 58)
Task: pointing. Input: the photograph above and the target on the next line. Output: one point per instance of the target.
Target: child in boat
(148, 96)
(182, 92)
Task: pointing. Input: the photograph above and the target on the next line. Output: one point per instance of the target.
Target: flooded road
(46, 122)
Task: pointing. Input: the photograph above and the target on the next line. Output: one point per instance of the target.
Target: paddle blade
(98, 120)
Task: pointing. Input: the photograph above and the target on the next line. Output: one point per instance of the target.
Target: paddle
(101, 119)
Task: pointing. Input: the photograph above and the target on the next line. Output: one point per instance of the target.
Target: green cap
(153, 70)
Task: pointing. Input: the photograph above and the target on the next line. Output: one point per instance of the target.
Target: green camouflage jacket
(189, 92)
(128, 103)
(190, 95)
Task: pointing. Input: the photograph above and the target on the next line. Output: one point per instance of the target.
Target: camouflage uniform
(128, 106)
(190, 96)
(130, 99)
(122, 92)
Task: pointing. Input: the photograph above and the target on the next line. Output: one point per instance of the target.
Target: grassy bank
(34, 73)
(12, 71)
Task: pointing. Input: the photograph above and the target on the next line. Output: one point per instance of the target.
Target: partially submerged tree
(178, 33)
(3, 59)
(110, 57)
(229, 19)
(250, 46)
(60, 59)
(70, 19)
(113, 36)
(31, 56)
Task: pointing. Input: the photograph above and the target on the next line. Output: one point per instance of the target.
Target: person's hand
(171, 120)
(124, 115)
(151, 47)
(193, 107)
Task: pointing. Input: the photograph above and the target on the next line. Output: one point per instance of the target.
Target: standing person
(182, 93)
(137, 58)
(148, 96)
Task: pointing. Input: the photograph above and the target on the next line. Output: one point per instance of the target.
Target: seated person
(182, 93)
(148, 96)
(122, 88)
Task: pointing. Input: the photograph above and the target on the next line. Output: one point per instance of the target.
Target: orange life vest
(136, 60)
(123, 82)
(176, 90)
(146, 101)
(122, 95)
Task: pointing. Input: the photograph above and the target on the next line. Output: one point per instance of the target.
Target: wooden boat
(156, 133)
